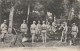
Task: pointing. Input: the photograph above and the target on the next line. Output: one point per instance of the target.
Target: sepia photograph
(36, 24)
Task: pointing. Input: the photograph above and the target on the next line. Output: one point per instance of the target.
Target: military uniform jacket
(33, 28)
(65, 29)
(44, 28)
(74, 30)
(24, 28)
(3, 28)
(38, 28)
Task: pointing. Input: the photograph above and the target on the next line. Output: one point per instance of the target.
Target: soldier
(49, 29)
(64, 32)
(38, 30)
(24, 30)
(74, 32)
(43, 31)
(33, 31)
(54, 27)
(24, 27)
(3, 30)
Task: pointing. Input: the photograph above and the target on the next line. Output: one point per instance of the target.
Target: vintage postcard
(31, 25)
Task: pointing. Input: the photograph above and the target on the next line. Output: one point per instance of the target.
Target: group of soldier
(42, 30)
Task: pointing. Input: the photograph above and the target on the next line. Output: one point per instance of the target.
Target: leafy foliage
(54, 6)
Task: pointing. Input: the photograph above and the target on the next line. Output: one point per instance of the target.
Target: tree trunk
(11, 20)
(0, 13)
(66, 9)
(28, 12)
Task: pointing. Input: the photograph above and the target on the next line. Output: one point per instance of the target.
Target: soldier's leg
(62, 37)
(22, 36)
(74, 40)
(2, 38)
(45, 37)
(65, 38)
(37, 36)
(33, 35)
(71, 39)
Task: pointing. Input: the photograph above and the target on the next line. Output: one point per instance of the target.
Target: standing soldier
(3, 30)
(64, 32)
(38, 30)
(49, 29)
(33, 31)
(24, 30)
(43, 31)
(74, 32)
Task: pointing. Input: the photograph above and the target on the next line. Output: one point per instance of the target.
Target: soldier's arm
(36, 27)
(40, 27)
(77, 29)
(21, 26)
(67, 29)
(46, 27)
(1, 26)
(30, 28)
(26, 27)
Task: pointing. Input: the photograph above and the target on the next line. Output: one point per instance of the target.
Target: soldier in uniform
(24, 30)
(43, 31)
(54, 26)
(33, 31)
(74, 32)
(3, 30)
(54, 29)
(24, 27)
(38, 30)
(49, 29)
(64, 32)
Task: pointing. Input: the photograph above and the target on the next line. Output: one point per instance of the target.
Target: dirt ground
(9, 40)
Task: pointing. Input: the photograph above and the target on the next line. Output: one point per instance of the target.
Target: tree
(9, 6)
(38, 11)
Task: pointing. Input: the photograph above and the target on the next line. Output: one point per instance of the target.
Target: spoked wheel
(54, 35)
